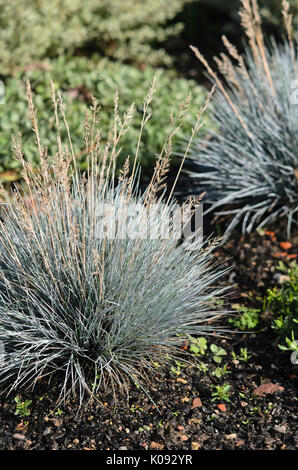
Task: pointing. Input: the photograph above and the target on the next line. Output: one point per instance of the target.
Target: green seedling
(217, 353)
(22, 407)
(254, 410)
(144, 428)
(269, 408)
(291, 344)
(135, 408)
(198, 346)
(221, 393)
(202, 367)
(177, 370)
(211, 417)
(156, 365)
(221, 371)
(243, 356)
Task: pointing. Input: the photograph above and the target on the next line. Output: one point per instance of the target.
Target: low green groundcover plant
(249, 168)
(247, 318)
(283, 303)
(88, 305)
(78, 79)
(125, 30)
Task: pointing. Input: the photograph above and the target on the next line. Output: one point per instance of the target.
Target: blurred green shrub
(78, 79)
(34, 29)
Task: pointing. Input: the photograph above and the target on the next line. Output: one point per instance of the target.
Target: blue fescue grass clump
(249, 169)
(77, 303)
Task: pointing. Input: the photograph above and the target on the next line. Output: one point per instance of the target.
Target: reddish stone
(286, 245)
(240, 443)
(156, 446)
(267, 388)
(196, 403)
(222, 407)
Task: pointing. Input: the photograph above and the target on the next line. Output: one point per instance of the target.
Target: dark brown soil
(175, 421)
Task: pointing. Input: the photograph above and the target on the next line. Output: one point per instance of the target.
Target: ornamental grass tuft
(87, 298)
(249, 168)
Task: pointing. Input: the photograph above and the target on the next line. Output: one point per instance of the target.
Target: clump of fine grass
(83, 302)
(249, 169)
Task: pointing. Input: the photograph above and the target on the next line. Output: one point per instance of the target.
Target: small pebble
(20, 437)
(267, 388)
(195, 446)
(222, 407)
(196, 403)
(281, 429)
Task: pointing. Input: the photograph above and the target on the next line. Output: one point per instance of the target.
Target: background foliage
(126, 30)
(78, 79)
